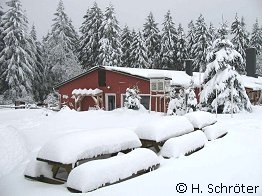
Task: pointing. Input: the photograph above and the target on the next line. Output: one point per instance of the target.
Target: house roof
(178, 77)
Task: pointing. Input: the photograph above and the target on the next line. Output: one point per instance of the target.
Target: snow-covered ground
(234, 160)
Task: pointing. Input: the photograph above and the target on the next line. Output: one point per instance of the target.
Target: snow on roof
(181, 78)
(251, 82)
(86, 92)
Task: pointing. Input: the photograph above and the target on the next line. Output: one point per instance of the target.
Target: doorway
(110, 101)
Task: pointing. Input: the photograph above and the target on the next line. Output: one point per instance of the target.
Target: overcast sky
(134, 12)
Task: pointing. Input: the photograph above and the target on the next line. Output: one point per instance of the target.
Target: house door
(110, 101)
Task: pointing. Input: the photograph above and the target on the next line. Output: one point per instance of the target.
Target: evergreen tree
(240, 40)
(221, 75)
(126, 41)
(152, 40)
(256, 38)
(110, 46)
(138, 52)
(168, 43)
(223, 30)
(212, 33)
(191, 101)
(2, 81)
(182, 52)
(63, 44)
(39, 90)
(190, 39)
(17, 59)
(201, 44)
(89, 41)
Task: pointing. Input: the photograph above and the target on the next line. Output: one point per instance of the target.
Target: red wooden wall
(116, 82)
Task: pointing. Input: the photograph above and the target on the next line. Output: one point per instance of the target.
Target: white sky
(134, 12)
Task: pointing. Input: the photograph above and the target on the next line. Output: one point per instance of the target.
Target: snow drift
(13, 149)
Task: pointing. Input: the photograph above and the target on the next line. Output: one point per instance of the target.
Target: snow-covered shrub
(221, 75)
(132, 100)
(52, 100)
(191, 101)
(177, 104)
(184, 144)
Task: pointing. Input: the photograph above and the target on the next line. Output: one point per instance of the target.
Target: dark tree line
(29, 69)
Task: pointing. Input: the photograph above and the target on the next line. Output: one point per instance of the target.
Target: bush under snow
(164, 128)
(184, 144)
(201, 119)
(95, 174)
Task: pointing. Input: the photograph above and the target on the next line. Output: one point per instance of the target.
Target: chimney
(251, 62)
(188, 67)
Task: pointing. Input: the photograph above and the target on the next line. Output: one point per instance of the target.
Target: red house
(105, 87)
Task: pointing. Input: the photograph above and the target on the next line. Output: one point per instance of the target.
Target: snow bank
(95, 174)
(36, 169)
(164, 128)
(88, 144)
(13, 149)
(200, 119)
(184, 144)
(215, 131)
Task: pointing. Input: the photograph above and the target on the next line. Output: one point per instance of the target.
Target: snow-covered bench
(215, 131)
(154, 134)
(201, 119)
(99, 173)
(40, 171)
(69, 150)
(184, 145)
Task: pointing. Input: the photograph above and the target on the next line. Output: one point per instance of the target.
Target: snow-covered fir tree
(168, 43)
(222, 31)
(39, 90)
(190, 39)
(212, 32)
(138, 52)
(221, 74)
(90, 36)
(152, 41)
(17, 60)
(1, 47)
(182, 52)
(110, 46)
(132, 100)
(256, 38)
(240, 40)
(126, 42)
(62, 43)
(201, 44)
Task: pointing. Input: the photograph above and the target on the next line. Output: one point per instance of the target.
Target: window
(101, 78)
